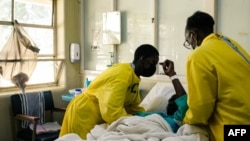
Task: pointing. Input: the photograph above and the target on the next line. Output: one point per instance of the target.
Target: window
(36, 17)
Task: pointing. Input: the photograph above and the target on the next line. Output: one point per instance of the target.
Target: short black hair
(145, 50)
(201, 21)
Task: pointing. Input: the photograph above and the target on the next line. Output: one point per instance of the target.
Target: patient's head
(146, 58)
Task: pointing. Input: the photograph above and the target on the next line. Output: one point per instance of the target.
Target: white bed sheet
(149, 128)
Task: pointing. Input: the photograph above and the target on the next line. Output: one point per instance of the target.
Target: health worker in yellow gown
(111, 95)
(218, 71)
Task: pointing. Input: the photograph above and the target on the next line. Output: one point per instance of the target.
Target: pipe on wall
(155, 21)
(114, 50)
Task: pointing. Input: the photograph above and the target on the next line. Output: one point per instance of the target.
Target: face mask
(149, 71)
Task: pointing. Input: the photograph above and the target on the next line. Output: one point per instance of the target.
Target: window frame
(41, 57)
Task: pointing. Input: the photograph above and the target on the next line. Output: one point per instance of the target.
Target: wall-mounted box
(112, 27)
(74, 52)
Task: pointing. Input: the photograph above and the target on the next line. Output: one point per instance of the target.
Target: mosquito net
(18, 55)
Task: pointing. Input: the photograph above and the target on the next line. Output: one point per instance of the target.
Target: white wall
(233, 20)
(172, 21)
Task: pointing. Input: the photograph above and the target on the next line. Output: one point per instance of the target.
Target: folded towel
(33, 105)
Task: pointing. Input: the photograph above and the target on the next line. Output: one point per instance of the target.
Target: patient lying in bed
(150, 125)
(175, 116)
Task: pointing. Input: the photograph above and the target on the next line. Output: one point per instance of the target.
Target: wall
(156, 22)
(233, 20)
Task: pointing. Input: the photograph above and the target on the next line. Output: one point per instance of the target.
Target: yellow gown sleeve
(201, 91)
(119, 95)
(135, 107)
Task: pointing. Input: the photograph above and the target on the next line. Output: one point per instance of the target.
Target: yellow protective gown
(111, 95)
(218, 86)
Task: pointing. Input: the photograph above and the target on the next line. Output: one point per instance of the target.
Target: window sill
(7, 91)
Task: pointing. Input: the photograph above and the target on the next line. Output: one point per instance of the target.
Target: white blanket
(149, 128)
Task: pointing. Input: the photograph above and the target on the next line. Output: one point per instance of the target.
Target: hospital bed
(153, 127)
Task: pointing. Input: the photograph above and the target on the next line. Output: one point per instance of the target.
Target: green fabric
(181, 102)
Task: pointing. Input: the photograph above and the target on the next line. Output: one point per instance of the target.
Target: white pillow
(157, 98)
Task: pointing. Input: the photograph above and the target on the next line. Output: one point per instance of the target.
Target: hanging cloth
(19, 54)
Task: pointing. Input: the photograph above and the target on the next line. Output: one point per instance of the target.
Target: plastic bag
(18, 55)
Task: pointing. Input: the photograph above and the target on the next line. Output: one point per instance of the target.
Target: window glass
(43, 74)
(5, 31)
(5, 10)
(33, 12)
(44, 44)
